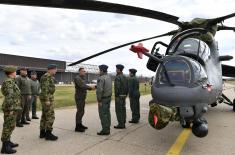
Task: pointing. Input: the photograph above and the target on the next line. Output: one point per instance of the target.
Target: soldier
(35, 89)
(80, 98)
(121, 91)
(104, 95)
(24, 85)
(134, 95)
(10, 106)
(47, 84)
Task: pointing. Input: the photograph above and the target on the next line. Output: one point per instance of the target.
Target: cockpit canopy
(182, 71)
(192, 47)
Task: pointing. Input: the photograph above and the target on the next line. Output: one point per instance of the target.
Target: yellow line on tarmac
(177, 147)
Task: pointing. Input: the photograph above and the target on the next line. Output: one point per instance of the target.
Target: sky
(70, 35)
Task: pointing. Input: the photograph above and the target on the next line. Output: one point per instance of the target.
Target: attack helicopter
(188, 76)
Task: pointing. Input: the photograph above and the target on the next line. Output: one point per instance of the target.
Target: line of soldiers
(122, 87)
(29, 89)
(17, 98)
(20, 92)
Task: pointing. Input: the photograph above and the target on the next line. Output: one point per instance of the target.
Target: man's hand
(93, 87)
(48, 103)
(100, 104)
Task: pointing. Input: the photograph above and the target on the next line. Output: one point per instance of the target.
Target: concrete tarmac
(138, 139)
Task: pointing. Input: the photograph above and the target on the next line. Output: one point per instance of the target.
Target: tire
(187, 125)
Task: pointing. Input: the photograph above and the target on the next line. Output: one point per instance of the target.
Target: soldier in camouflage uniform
(134, 95)
(24, 85)
(80, 98)
(104, 96)
(35, 89)
(121, 91)
(10, 106)
(47, 84)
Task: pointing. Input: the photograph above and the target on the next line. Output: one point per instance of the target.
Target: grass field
(231, 82)
(64, 96)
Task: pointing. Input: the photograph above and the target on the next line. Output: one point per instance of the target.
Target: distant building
(92, 71)
(64, 75)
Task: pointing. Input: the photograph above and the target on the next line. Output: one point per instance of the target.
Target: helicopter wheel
(234, 105)
(187, 125)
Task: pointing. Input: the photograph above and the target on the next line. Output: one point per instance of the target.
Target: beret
(119, 66)
(10, 69)
(103, 67)
(23, 68)
(33, 73)
(51, 66)
(133, 71)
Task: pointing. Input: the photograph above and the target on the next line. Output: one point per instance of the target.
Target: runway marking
(177, 147)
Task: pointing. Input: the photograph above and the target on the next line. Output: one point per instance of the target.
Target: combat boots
(79, 128)
(50, 136)
(133, 121)
(28, 119)
(102, 133)
(35, 117)
(6, 148)
(84, 127)
(120, 126)
(13, 144)
(23, 121)
(18, 124)
(42, 134)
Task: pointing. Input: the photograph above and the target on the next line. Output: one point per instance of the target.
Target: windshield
(178, 71)
(182, 72)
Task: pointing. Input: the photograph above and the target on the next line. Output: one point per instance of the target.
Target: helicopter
(188, 77)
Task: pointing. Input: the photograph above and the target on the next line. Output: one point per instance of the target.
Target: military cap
(103, 68)
(33, 73)
(10, 69)
(51, 66)
(119, 66)
(133, 71)
(23, 68)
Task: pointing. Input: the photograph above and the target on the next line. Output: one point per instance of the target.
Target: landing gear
(200, 127)
(186, 125)
(234, 105)
(229, 102)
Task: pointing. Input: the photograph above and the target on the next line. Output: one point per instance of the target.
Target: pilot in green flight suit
(134, 96)
(121, 91)
(104, 96)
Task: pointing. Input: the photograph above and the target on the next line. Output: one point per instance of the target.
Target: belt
(106, 97)
(122, 95)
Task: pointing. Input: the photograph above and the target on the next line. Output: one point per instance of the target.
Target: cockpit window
(193, 47)
(178, 71)
(199, 72)
(182, 72)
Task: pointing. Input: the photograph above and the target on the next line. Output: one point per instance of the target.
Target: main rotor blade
(220, 19)
(226, 28)
(97, 6)
(123, 45)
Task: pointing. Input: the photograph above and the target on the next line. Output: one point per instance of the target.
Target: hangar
(64, 75)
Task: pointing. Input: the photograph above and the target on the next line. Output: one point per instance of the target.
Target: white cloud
(72, 34)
